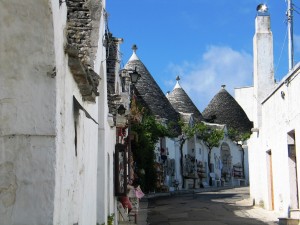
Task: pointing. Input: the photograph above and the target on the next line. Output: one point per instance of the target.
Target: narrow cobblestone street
(230, 207)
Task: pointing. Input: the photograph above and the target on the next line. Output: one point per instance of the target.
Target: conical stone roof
(149, 91)
(182, 102)
(224, 109)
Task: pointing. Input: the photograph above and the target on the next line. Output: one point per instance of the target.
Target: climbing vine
(147, 133)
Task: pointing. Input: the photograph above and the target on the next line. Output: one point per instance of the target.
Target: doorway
(292, 164)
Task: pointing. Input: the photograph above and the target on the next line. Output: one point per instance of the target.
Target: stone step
(295, 213)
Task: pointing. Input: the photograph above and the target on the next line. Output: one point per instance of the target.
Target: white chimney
(263, 71)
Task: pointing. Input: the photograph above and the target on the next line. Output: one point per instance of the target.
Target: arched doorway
(226, 160)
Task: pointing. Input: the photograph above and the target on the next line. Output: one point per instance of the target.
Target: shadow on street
(209, 208)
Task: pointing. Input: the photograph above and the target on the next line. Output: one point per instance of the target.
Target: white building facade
(56, 139)
(274, 183)
(228, 161)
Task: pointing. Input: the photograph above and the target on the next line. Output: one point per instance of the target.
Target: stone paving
(212, 206)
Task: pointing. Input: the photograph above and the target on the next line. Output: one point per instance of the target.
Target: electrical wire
(294, 6)
(281, 52)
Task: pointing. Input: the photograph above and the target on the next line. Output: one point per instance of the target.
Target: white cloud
(219, 65)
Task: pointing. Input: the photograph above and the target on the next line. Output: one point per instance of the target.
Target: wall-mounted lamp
(134, 76)
(282, 94)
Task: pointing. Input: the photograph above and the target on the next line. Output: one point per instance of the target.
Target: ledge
(86, 79)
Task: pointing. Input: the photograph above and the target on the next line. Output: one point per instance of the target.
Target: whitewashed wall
(275, 115)
(76, 175)
(201, 154)
(174, 153)
(48, 183)
(280, 115)
(27, 113)
(285, 117)
(244, 96)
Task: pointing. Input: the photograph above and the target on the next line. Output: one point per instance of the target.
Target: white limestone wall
(173, 150)
(172, 147)
(263, 81)
(106, 200)
(107, 140)
(246, 164)
(235, 151)
(263, 68)
(105, 183)
(215, 156)
(201, 154)
(174, 153)
(46, 181)
(285, 117)
(200, 151)
(185, 150)
(76, 169)
(244, 96)
(27, 113)
(257, 169)
(237, 157)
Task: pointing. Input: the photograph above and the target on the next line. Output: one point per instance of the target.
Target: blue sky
(208, 43)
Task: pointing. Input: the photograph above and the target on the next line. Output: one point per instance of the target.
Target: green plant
(147, 132)
(110, 219)
(238, 136)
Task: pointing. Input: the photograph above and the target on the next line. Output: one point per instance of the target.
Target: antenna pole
(290, 34)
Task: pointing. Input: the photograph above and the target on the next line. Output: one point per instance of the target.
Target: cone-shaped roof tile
(150, 92)
(224, 109)
(182, 102)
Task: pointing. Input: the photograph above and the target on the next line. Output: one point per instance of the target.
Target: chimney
(263, 67)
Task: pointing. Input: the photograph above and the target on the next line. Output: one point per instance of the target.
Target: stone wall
(111, 64)
(27, 113)
(83, 18)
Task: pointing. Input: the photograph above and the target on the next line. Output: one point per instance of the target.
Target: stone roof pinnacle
(177, 83)
(182, 103)
(134, 56)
